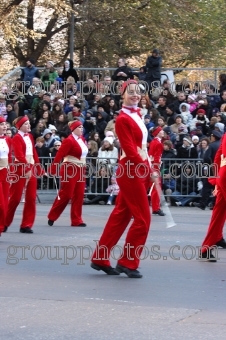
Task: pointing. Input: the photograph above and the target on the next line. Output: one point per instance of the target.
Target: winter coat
(153, 65)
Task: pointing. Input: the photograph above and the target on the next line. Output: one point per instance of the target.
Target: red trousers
(4, 197)
(155, 199)
(215, 230)
(16, 191)
(132, 201)
(72, 188)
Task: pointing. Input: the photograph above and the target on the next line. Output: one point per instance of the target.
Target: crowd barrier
(173, 173)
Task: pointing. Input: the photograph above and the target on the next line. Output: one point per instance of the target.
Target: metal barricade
(172, 169)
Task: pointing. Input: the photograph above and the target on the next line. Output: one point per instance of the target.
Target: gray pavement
(63, 298)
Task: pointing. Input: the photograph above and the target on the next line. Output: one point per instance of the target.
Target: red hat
(2, 120)
(203, 112)
(21, 122)
(127, 83)
(75, 124)
(156, 131)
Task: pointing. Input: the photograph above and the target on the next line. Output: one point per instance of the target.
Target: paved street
(63, 298)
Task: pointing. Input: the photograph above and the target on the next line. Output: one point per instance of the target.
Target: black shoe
(158, 212)
(207, 256)
(50, 223)
(26, 230)
(79, 225)
(5, 230)
(221, 243)
(198, 205)
(108, 270)
(131, 273)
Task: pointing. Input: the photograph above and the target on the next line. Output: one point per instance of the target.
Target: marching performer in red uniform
(73, 151)
(5, 161)
(155, 153)
(133, 178)
(214, 236)
(27, 167)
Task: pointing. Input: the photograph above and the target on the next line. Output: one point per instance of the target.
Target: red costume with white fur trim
(5, 160)
(26, 159)
(215, 230)
(73, 150)
(133, 178)
(155, 153)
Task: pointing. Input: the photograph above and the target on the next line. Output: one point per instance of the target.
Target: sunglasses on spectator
(57, 145)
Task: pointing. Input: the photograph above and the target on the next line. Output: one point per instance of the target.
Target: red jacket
(155, 152)
(19, 150)
(217, 159)
(69, 147)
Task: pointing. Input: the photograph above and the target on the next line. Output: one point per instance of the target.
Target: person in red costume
(73, 151)
(5, 160)
(214, 236)
(155, 153)
(27, 168)
(133, 178)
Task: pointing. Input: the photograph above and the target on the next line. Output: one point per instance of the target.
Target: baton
(168, 216)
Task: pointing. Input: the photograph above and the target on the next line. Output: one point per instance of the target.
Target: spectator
(39, 129)
(113, 190)
(49, 75)
(29, 72)
(108, 153)
(98, 188)
(69, 71)
(181, 98)
(186, 115)
(9, 133)
(111, 125)
(49, 140)
(162, 107)
(200, 121)
(55, 149)
(187, 150)
(195, 141)
(153, 65)
(186, 185)
(111, 107)
(11, 114)
(203, 147)
(179, 130)
(96, 137)
(170, 114)
(192, 102)
(123, 72)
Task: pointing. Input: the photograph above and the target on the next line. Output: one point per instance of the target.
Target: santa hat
(156, 131)
(75, 124)
(2, 120)
(201, 111)
(21, 121)
(109, 140)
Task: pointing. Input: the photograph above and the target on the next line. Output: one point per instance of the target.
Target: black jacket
(127, 70)
(153, 65)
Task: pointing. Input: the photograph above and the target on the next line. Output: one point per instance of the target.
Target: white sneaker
(178, 203)
(109, 203)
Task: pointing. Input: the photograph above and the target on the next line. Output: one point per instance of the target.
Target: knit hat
(167, 130)
(52, 127)
(220, 126)
(155, 51)
(109, 140)
(2, 120)
(214, 111)
(147, 116)
(21, 121)
(188, 140)
(194, 138)
(201, 111)
(178, 116)
(192, 96)
(217, 134)
(74, 125)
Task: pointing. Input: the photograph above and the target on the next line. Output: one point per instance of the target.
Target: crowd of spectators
(52, 98)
